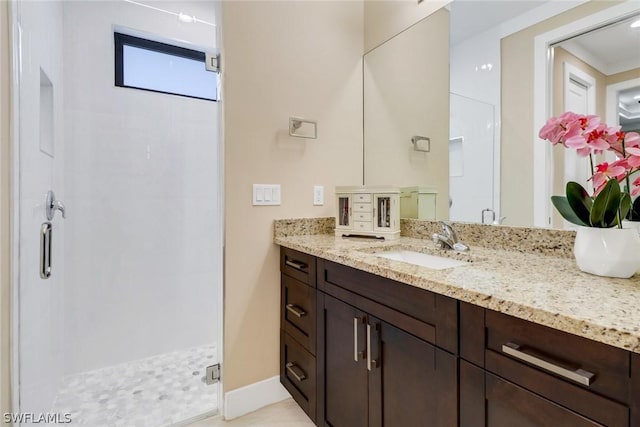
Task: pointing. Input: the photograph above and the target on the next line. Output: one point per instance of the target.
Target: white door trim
(15, 43)
(572, 162)
(541, 100)
(572, 72)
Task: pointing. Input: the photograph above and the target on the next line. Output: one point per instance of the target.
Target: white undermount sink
(425, 260)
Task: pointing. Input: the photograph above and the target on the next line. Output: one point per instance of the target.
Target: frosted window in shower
(159, 67)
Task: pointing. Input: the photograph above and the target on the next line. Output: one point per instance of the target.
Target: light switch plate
(318, 195)
(266, 194)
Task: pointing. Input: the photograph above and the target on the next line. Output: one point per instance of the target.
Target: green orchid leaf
(580, 202)
(625, 207)
(562, 205)
(606, 205)
(634, 213)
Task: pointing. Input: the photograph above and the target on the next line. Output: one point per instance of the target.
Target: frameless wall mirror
(465, 77)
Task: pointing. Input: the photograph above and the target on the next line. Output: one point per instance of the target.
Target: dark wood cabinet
(509, 405)
(376, 373)
(298, 365)
(361, 350)
(416, 381)
(514, 372)
(346, 401)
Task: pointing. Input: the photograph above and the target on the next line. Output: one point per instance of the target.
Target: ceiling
(629, 108)
(470, 17)
(611, 50)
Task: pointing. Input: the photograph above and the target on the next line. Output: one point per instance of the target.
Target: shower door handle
(52, 205)
(45, 250)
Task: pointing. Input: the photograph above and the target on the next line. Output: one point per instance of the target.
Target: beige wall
(386, 18)
(517, 113)
(5, 380)
(281, 59)
(624, 76)
(404, 95)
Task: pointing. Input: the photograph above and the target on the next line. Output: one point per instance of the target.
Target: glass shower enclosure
(118, 307)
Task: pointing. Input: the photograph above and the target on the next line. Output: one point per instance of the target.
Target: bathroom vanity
(367, 341)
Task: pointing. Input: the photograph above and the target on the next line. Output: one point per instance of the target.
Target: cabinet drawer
(298, 373)
(298, 265)
(509, 405)
(298, 316)
(362, 216)
(431, 317)
(362, 198)
(559, 357)
(361, 207)
(362, 225)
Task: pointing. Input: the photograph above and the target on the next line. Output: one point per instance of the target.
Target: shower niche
(372, 211)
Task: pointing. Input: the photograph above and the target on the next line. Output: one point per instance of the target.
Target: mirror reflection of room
(485, 162)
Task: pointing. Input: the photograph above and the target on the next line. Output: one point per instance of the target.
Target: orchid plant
(609, 204)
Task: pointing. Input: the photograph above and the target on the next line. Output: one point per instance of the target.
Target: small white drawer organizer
(368, 211)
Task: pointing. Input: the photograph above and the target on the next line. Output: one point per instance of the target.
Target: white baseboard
(250, 398)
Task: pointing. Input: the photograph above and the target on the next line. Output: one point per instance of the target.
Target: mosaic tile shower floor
(157, 391)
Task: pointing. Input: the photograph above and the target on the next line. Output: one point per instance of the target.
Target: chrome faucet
(448, 239)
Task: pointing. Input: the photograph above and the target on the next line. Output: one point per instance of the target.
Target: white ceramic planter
(608, 252)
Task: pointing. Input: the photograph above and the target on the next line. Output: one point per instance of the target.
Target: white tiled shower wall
(142, 181)
(479, 88)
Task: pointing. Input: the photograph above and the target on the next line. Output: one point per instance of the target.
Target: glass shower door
(123, 330)
(471, 158)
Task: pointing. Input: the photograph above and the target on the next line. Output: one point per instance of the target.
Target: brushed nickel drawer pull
(296, 264)
(295, 370)
(578, 375)
(297, 311)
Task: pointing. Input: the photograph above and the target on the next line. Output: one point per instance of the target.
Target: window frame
(122, 40)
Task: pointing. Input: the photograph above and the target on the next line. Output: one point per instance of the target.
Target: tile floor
(152, 392)
(283, 414)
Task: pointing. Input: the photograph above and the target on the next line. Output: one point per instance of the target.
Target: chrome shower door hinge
(213, 374)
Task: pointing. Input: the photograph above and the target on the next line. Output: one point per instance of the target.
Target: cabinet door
(386, 212)
(508, 405)
(416, 383)
(343, 213)
(345, 371)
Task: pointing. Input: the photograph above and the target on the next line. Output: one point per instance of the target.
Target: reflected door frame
(612, 117)
(542, 86)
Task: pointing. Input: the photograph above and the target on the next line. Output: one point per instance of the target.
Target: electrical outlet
(318, 195)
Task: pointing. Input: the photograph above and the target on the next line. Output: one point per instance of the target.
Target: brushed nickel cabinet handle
(357, 355)
(371, 362)
(296, 264)
(578, 375)
(297, 311)
(296, 371)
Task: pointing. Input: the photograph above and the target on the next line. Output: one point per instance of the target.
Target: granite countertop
(545, 289)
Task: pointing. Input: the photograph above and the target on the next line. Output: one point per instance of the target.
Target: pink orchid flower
(633, 156)
(636, 187)
(617, 137)
(632, 139)
(557, 129)
(594, 141)
(605, 171)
